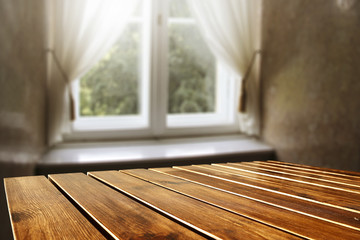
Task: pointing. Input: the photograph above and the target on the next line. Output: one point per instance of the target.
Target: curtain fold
(79, 33)
(232, 30)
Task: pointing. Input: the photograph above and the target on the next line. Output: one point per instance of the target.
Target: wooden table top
(248, 200)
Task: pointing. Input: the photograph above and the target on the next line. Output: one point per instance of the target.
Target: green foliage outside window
(112, 86)
(191, 72)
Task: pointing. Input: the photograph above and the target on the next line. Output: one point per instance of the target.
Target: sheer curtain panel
(79, 33)
(232, 29)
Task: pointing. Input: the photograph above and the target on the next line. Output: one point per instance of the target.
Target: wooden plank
(120, 216)
(322, 172)
(290, 221)
(39, 211)
(300, 173)
(316, 182)
(210, 220)
(288, 202)
(326, 196)
(322, 169)
(342, 178)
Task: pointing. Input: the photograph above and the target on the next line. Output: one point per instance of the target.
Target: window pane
(191, 71)
(111, 86)
(178, 9)
(138, 9)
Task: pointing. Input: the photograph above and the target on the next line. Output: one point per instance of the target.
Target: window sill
(74, 157)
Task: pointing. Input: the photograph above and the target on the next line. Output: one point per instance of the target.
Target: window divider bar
(159, 66)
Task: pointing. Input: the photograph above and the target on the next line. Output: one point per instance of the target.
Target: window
(159, 79)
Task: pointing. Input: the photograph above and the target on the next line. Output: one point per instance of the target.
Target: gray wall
(311, 85)
(22, 81)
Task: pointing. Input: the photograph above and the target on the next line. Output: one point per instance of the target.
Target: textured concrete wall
(311, 85)
(22, 82)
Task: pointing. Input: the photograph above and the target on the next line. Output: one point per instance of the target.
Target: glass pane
(191, 71)
(111, 86)
(178, 9)
(138, 9)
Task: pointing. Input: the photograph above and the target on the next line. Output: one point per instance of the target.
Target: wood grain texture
(304, 226)
(301, 173)
(321, 169)
(255, 200)
(316, 182)
(39, 211)
(119, 215)
(326, 196)
(214, 222)
(272, 198)
(309, 170)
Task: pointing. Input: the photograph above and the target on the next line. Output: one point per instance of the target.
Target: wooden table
(249, 200)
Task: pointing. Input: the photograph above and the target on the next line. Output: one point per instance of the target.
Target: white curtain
(232, 30)
(79, 33)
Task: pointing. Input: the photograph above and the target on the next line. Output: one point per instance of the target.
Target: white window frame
(154, 121)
